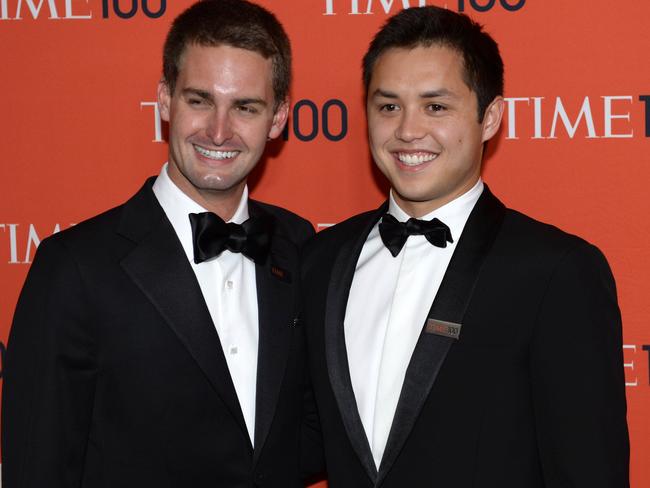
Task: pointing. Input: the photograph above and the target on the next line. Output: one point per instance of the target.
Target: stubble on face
(220, 117)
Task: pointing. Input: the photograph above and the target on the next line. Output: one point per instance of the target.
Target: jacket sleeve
(577, 376)
(49, 376)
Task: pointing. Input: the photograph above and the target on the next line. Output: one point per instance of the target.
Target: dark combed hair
(428, 26)
(236, 23)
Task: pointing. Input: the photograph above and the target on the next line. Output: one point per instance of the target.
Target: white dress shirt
(389, 301)
(229, 289)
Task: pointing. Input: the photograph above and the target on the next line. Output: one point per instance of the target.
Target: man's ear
(164, 100)
(279, 119)
(492, 118)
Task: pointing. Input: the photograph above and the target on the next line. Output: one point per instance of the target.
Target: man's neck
(221, 203)
(224, 203)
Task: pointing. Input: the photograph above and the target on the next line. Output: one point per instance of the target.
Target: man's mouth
(215, 154)
(415, 158)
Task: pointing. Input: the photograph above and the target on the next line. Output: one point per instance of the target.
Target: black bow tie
(394, 233)
(211, 236)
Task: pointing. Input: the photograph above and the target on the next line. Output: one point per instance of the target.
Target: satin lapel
(275, 301)
(449, 305)
(335, 350)
(159, 267)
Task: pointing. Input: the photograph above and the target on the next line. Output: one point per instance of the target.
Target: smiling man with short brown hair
(157, 344)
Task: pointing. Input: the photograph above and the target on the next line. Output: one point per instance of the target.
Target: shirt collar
(172, 197)
(177, 206)
(454, 213)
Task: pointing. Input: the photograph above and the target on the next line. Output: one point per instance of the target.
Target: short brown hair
(236, 23)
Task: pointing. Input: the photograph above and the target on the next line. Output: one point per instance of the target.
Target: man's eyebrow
(383, 93)
(250, 101)
(205, 95)
(443, 92)
(198, 93)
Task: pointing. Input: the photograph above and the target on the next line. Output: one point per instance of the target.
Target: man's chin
(220, 184)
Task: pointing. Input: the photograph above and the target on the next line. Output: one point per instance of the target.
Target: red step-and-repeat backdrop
(80, 131)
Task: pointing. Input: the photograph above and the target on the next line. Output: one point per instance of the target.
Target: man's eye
(435, 107)
(388, 107)
(247, 109)
(196, 101)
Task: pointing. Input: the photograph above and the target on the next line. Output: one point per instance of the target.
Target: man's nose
(411, 126)
(219, 128)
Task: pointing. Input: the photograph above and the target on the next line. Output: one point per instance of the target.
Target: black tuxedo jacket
(115, 376)
(530, 395)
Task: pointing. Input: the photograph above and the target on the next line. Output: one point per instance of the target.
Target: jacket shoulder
(93, 229)
(328, 240)
(101, 237)
(288, 224)
(538, 242)
(529, 231)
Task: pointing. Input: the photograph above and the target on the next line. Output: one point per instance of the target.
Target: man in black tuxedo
(156, 345)
(454, 342)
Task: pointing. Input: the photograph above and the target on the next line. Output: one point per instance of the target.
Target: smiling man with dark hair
(157, 344)
(454, 342)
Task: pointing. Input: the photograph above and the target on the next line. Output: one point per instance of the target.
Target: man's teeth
(415, 159)
(215, 154)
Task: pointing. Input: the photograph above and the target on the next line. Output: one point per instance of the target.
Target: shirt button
(232, 349)
(229, 284)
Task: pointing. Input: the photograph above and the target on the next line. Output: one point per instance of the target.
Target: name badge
(281, 273)
(442, 328)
